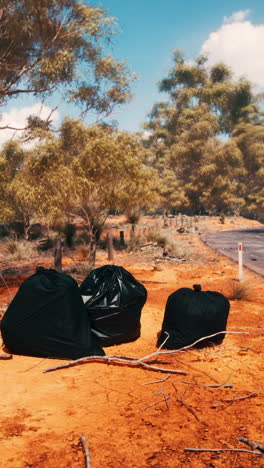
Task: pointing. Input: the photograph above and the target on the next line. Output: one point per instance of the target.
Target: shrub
(83, 251)
(158, 237)
(18, 250)
(239, 291)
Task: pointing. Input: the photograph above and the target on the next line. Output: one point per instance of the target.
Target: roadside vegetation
(201, 152)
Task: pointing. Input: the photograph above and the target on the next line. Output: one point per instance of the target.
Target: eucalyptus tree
(84, 173)
(203, 105)
(60, 45)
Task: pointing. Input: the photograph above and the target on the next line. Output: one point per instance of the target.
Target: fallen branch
(253, 445)
(157, 402)
(200, 371)
(115, 359)
(86, 452)
(231, 400)
(226, 384)
(166, 398)
(243, 397)
(208, 386)
(221, 450)
(189, 408)
(157, 381)
(173, 351)
(139, 361)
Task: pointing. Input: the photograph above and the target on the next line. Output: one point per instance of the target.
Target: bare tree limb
(200, 371)
(157, 381)
(232, 400)
(253, 445)
(221, 450)
(157, 402)
(86, 452)
(243, 397)
(115, 359)
(189, 408)
(198, 341)
(140, 361)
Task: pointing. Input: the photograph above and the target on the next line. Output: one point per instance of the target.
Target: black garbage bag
(191, 314)
(47, 318)
(114, 300)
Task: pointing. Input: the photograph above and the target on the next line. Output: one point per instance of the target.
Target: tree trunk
(58, 256)
(92, 254)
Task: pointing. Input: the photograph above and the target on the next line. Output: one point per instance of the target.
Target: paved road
(253, 246)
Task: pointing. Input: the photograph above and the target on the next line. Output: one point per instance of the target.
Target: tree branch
(115, 359)
(86, 452)
(253, 445)
(221, 450)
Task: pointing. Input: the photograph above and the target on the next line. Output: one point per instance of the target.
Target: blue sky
(149, 31)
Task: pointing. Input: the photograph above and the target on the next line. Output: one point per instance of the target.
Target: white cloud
(237, 17)
(238, 43)
(16, 118)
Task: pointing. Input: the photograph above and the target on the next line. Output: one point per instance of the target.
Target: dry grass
(83, 251)
(18, 250)
(239, 291)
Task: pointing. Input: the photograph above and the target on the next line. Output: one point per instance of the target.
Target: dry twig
(115, 359)
(157, 381)
(140, 361)
(200, 371)
(243, 397)
(173, 351)
(166, 398)
(220, 450)
(253, 445)
(86, 452)
(232, 400)
(189, 408)
(226, 384)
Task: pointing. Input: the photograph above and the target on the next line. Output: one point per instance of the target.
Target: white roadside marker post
(240, 261)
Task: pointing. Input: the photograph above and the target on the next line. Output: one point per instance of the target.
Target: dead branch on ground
(157, 381)
(183, 403)
(86, 452)
(226, 384)
(253, 445)
(115, 359)
(189, 449)
(232, 400)
(173, 351)
(196, 370)
(243, 397)
(165, 399)
(141, 361)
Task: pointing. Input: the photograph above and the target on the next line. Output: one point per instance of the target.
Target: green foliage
(198, 172)
(60, 45)
(84, 173)
(249, 137)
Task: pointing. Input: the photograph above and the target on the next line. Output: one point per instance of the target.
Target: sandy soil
(43, 415)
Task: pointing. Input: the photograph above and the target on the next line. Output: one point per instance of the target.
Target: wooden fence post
(58, 256)
(110, 246)
(122, 238)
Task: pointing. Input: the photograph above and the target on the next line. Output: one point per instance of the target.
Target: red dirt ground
(42, 416)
